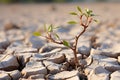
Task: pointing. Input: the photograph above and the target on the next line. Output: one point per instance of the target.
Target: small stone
(33, 68)
(99, 73)
(110, 64)
(57, 58)
(52, 67)
(15, 74)
(115, 75)
(64, 75)
(8, 62)
(32, 71)
(112, 67)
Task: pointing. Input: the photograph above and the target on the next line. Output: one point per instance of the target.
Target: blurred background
(31, 15)
(20, 18)
(36, 1)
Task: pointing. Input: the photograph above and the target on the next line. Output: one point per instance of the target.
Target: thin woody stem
(74, 47)
(49, 37)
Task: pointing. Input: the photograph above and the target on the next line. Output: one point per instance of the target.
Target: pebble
(52, 67)
(57, 58)
(15, 74)
(8, 62)
(33, 68)
(99, 73)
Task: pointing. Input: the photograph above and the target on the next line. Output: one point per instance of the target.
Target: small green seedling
(54, 37)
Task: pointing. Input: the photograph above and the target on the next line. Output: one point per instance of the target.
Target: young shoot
(51, 36)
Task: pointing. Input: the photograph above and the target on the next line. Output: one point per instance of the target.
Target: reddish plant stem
(74, 46)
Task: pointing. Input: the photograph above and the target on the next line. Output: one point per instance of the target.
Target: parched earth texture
(26, 57)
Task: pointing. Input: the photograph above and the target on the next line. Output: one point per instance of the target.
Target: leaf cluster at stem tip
(85, 12)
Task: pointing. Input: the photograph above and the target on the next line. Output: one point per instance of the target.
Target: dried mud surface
(26, 57)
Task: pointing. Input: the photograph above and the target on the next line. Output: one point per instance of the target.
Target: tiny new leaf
(72, 22)
(73, 13)
(89, 12)
(79, 9)
(65, 43)
(56, 35)
(50, 28)
(37, 34)
(96, 20)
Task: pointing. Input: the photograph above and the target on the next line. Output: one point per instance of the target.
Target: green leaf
(88, 12)
(37, 34)
(95, 20)
(65, 43)
(73, 13)
(50, 28)
(79, 9)
(72, 22)
(56, 35)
